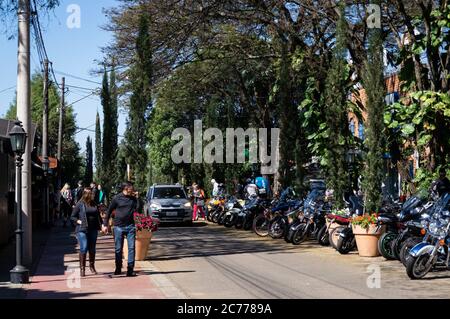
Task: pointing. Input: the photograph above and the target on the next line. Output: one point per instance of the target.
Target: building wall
(7, 220)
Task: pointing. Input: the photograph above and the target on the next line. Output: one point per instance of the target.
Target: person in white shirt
(251, 189)
(215, 191)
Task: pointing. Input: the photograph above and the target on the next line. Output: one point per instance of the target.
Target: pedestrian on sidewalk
(78, 193)
(199, 201)
(86, 216)
(125, 204)
(66, 203)
(101, 195)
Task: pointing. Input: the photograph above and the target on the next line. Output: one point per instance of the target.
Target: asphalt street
(210, 261)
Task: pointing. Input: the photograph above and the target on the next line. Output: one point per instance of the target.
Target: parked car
(169, 203)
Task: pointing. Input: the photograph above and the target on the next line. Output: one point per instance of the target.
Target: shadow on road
(177, 242)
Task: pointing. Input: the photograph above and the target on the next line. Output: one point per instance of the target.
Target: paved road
(210, 261)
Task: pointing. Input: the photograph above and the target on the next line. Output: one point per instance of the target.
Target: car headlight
(155, 206)
(187, 205)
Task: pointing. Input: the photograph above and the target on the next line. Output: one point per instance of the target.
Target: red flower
(143, 222)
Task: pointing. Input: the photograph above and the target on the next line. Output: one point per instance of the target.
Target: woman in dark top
(86, 215)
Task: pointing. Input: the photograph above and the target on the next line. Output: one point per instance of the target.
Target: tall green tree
(336, 101)
(89, 165)
(375, 141)
(109, 139)
(98, 148)
(71, 159)
(140, 105)
(114, 123)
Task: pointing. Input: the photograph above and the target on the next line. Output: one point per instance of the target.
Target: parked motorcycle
(412, 209)
(433, 251)
(262, 221)
(346, 241)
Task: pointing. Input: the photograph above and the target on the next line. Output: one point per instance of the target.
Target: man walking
(78, 193)
(124, 204)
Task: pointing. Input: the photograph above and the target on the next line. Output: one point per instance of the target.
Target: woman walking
(199, 197)
(66, 202)
(87, 218)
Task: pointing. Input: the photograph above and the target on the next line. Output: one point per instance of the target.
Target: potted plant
(145, 227)
(367, 232)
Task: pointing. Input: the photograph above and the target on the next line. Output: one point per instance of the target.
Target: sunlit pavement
(210, 261)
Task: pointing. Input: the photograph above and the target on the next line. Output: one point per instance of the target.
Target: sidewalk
(57, 275)
(8, 259)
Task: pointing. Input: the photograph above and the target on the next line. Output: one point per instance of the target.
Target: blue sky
(72, 51)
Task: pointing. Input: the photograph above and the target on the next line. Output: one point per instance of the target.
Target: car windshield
(168, 192)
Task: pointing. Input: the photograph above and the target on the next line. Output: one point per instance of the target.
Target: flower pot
(143, 238)
(367, 239)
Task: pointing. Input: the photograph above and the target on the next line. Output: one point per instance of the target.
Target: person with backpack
(263, 186)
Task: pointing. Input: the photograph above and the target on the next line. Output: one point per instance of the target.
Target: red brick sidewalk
(57, 275)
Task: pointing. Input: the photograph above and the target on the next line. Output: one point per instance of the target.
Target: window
(352, 127)
(361, 131)
(168, 192)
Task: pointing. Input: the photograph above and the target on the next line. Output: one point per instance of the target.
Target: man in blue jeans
(124, 204)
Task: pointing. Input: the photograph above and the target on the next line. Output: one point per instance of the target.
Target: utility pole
(45, 162)
(60, 140)
(24, 115)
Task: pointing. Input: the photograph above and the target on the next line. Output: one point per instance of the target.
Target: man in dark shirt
(124, 204)
(78, 193)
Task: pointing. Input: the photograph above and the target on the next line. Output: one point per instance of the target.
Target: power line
(12, 87)
(82, 88)
(77, 77)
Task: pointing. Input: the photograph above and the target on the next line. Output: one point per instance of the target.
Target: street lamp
(18, 138)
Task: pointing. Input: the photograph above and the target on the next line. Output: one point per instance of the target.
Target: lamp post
(18, 138)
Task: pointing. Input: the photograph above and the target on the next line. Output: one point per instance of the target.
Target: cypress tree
(335, 98)
(114, 123)
(98, 148)
(375, 89)
(89, 170)
(140, 106)
(107, 155)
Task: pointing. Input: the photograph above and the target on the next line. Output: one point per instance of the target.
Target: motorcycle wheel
(261, 226)
(323, 237)
(397, 245)
(300, 235)
(209, 216)
(385, 245)
(289, 232)
(416, 268)
(334, 236)
(345, 244)
(406, 247)
(276, 228)
(248, 223)
(221, 219)
(215, 217)
(228, 221)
